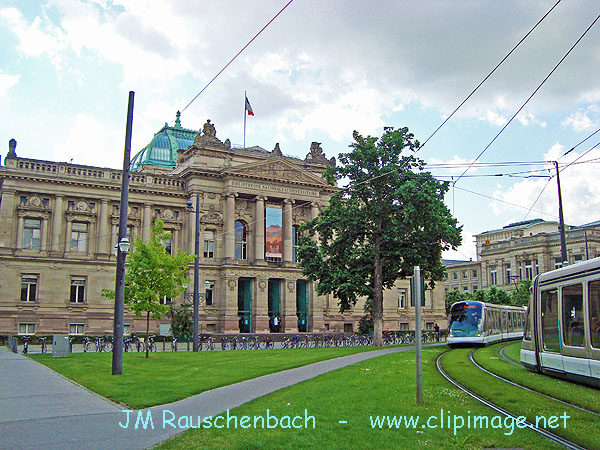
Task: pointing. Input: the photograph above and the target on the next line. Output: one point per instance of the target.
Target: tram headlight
(478, 334)
(451, 335)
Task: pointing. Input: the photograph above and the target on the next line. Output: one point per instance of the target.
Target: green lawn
(383, 386)
(170, 376)
(577, 394)
(581, 427)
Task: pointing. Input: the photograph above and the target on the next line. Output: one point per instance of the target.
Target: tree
(520, 296)
(497, 296)
(182, 325)
(151, 275)
(390, 218)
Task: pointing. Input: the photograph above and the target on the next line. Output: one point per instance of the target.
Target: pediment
(277, 168)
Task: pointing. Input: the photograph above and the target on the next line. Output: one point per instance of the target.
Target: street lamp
(190, 209)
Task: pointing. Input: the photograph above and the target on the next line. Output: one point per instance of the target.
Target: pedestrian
(276, 324)
(437, 332)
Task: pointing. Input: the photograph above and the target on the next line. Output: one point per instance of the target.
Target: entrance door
(302, 305)
(274, 306)
(245, 304)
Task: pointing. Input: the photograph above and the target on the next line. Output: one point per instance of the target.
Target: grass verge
(171, 376)
(577, 426)
(577, 394)
(378, 388)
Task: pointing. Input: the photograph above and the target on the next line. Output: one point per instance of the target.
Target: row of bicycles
(354, 340)
(130, 344)
(246, 343)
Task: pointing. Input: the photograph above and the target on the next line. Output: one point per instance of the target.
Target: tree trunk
(147, 332)
(377, 294)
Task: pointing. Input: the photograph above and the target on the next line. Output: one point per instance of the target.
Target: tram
(562, 333)
(479, 323)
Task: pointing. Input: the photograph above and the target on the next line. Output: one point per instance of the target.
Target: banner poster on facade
(273, 232)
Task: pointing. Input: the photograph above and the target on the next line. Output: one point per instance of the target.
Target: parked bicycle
(174, 344)
(151, 344)
(86, 344)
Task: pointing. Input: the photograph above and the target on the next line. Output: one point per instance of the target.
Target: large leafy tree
(151, 275)
(390, 218)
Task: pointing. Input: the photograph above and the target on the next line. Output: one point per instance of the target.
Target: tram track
(506, 358)
(563, 402)
(553, 437)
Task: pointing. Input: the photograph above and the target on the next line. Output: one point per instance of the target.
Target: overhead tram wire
(472, 92)
(237, 54)
(577, 145)
(531, 96)
(488, 76)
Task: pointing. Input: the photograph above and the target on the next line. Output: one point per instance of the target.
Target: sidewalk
(43, 410)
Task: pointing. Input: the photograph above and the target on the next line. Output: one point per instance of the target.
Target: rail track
(553, 437)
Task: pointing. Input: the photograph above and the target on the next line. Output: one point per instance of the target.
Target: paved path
(40, 409)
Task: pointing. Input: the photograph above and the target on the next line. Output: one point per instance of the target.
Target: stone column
(113, 238)
(259, 230)
(261, 306)
(316, 307)
(57, 216)
(287, 231)
(103, 235)
(20, 230)
(229, 233)
(147, 223)
(44, 234)
(68, 236)
(231, 322)
(314, 212)
(288, 307)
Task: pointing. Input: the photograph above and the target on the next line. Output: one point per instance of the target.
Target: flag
(249, 108)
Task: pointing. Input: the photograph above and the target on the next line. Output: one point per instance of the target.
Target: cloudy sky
(321, 70)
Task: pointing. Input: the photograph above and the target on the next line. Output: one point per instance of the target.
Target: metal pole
(587, 252)
(117, 356)
(245, 114)
(197, 276)
(419, 346)
(561, 226)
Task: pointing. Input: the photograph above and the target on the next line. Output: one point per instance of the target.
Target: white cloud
(7, 81)
(467, 250)
(583, 120)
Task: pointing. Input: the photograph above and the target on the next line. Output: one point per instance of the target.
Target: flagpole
(245, 119)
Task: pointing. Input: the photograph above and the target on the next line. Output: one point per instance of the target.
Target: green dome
(162, 149)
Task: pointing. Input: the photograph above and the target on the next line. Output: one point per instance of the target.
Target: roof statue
(317, 155)
(277, 150)
(208, 130)
(12, 146)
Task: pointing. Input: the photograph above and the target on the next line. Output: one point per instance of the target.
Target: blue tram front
(466, 323)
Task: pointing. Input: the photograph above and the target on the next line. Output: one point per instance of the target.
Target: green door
(274, 305)
(302, 305)
(245, 304)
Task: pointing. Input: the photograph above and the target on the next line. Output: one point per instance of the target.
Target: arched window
(240, 239)
(295, 238)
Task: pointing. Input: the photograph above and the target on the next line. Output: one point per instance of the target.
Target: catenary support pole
(561, 225)
(197, 277)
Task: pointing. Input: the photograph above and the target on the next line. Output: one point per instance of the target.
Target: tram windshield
(465, 319)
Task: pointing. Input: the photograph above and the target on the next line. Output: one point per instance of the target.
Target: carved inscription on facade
(270, 188)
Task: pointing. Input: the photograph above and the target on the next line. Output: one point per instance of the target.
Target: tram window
(594, 312)
(572, 307)
(550, 321)
(527, 335)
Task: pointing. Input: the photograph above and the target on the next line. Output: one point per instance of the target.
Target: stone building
(58, 232)
(520, 251)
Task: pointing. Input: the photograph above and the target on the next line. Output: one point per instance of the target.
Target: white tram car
(479, 323)
(562, 334)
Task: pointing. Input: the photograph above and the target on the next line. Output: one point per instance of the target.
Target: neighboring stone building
(58, 230)
(520, 251)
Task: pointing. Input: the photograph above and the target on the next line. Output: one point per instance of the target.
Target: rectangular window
(26, 328)
(455, 275)
(528, 270)
(31, 234)
(401, 298)
(594, 312)
(168, 244)
(429, 326)
(465, 274)
(550, 321)
(79, 237)
(404, 326)
(78, 290)
(572, 307)
(76, 328)
(578, 258)
(520, 270)
(165, 300)
(210, 287)
(28, 288)
(508, 274)
(493, 276)
(475, 288)
(474, 273)
(209, 244)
